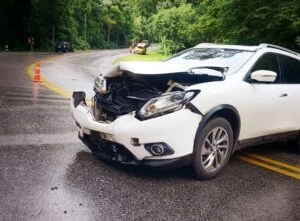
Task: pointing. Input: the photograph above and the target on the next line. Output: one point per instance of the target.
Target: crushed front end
(138, 119)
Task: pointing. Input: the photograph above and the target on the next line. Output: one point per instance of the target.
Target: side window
(268, 62)
(290, 70)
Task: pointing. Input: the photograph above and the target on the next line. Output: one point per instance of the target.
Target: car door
(290, 84)
(267, 101)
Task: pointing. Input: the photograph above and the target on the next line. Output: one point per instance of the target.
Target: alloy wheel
(214, 149)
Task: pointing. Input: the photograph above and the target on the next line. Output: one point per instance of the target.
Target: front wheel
(213, 148)
(295, 144)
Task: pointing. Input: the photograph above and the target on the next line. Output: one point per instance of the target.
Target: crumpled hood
(155, 67)
(149, 68)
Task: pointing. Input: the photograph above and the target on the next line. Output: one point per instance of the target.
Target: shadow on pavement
(98, 165)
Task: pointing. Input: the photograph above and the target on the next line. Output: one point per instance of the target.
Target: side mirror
(264, 76)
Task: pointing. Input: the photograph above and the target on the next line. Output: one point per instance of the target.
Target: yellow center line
(269, 167)
(275, 162)
(56, 89)
(31, 68)
(50, 86)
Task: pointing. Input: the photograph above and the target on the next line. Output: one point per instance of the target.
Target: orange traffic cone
(37, 73)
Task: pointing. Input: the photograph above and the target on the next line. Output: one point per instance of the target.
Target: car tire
(295, 144)
(213, 148)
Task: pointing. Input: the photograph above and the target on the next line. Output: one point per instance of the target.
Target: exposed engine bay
(128, 92)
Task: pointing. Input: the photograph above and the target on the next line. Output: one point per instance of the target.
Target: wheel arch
(229, 113)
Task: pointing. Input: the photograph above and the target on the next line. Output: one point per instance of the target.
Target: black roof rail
(278, 47)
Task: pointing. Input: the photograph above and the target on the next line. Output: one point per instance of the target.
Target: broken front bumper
(129, 140)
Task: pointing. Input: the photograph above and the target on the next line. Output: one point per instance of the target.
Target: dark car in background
(64, 46)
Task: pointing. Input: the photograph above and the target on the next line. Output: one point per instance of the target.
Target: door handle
(283, 95)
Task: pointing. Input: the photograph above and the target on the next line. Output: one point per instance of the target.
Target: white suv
(196, 108)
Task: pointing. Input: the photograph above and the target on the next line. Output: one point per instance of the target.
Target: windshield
(233, 59)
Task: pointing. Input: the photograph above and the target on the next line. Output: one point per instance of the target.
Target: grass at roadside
(150, 56)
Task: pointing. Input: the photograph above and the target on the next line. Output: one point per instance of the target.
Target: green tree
(177, 24)
(173, 28)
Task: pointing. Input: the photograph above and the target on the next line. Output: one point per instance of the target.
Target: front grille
(143, 95)
(118, 107)
(108, 149)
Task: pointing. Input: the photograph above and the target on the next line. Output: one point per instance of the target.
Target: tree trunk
(117, 37)
(108, 35)
(53, 34)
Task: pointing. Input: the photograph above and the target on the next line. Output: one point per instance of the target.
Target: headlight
(166, 103)
(100, 84)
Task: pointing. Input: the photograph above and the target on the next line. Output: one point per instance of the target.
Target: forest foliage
(175, 24)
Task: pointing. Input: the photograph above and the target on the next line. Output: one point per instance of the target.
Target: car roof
(237, 47)
(245, 48)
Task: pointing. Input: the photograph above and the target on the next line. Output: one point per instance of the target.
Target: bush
(81, 44)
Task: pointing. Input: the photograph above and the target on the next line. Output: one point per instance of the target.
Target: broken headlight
(166, 103)
(100, 84)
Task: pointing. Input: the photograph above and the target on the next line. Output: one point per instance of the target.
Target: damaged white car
(195, 108)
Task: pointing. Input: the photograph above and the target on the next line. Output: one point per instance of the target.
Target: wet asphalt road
(47, 174)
